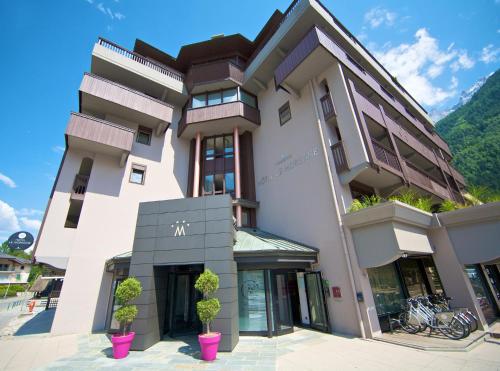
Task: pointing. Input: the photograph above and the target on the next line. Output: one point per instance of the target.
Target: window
(230, 95)
(137, 174)
(223, 96)
(73, 216)
(248, 99)
(4, 267)
(285, 113)
(218, 165)
(144, 135)
(199, 101)
(214, 98)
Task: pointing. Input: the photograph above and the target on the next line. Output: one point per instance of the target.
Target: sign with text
(20, 240)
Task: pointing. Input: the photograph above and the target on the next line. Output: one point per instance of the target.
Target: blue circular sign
(20, 240)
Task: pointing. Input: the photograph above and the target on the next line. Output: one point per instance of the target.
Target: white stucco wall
(295, 197)
(107, 221)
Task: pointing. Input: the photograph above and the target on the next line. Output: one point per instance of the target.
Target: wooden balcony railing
(140, 59)
(426, 181)
(327, 106)
(79, 187)
(339, 157)
(386, 155)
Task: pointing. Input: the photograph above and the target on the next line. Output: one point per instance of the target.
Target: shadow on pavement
(39, 324)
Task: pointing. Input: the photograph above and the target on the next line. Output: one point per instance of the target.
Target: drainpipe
(196, 178)
(337, 210)
(237, 173)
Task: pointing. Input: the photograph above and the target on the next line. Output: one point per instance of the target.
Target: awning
(41, 283)
(256, 245)
(474, 233)
(386, 232)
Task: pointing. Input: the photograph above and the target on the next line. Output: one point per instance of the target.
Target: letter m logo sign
(179, 231)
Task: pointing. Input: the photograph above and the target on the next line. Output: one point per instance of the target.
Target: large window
(252, 301)
(223, 96)
(218, 165)
(386, 289)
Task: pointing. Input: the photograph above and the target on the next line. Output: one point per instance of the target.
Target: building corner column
(237, 173)
(197, 160)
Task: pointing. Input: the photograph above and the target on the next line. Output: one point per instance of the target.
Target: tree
(127, 291)
(207, 308)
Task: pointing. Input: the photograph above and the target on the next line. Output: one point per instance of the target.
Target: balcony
(213, 76)
(79, 187)
(218, 119)
(95, 135)
(386, 157)
(315, 52)
(136, 71)
(339, 157)
(426, 182)
(98, 94)
(327, 107)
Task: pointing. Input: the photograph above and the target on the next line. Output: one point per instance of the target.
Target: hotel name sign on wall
(287, 164)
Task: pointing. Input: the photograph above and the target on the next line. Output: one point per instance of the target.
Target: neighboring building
(281, 134)
(13, 270)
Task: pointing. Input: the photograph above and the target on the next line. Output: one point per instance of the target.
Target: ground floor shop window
(413, 277)
(482, 292)
(252, 301)
(386, 288)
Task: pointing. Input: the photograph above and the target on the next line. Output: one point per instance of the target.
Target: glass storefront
(269, 302)
(252, 301)
(386, 288)
(481, 291)
(413, 277)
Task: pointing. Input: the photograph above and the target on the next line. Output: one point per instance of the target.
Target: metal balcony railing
(140, 59)
(339, 157)
(327, 106)
(386, 155)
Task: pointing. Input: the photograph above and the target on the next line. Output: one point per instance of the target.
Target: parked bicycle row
(434, 312)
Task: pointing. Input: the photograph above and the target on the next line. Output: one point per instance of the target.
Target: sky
(435, 48)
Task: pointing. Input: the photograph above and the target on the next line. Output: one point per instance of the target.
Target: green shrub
(127, 291)
(126, 314)
(364, 202)
(208, 308)
(412, 198)
(10, 293)
(449, 205)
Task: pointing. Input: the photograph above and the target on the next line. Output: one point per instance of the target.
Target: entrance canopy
(257, 246)
(474, 233)
(386, 232)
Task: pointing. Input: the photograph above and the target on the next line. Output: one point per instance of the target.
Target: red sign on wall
(336, 292)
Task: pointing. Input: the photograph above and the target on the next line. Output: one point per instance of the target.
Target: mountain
(465, 97)
(473, 133)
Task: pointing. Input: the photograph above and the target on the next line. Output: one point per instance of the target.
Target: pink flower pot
(121, 344)
(209, 345)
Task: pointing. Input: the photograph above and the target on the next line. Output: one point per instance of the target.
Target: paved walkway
(303, 350)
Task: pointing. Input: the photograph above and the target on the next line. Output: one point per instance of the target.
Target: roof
(14, 258)
(254, 240)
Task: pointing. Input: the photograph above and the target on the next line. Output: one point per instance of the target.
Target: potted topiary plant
(126, 291)
(207, 309)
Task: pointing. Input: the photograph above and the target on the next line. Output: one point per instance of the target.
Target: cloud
(90, 1)
(463, 62)
(8, 219)
(109, 12)
(30, 223)
(7, 181)
(489, 54)
(28, 212)
(58, 149)
(12, 220)
(378, 16)
(415, 65)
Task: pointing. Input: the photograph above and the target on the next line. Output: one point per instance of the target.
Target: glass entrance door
(282, 307)
(483, 295)
(316, 301)
(181, 304)
(413, 277)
